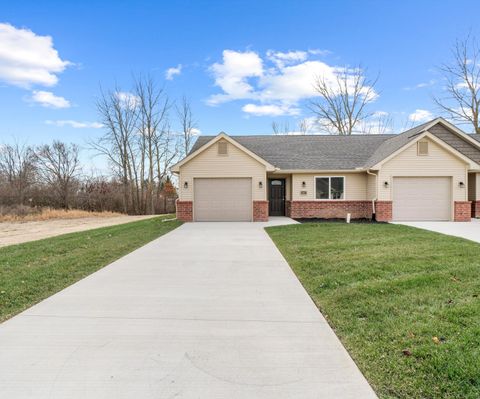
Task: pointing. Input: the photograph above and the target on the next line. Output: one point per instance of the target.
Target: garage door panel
(421, 198)
(225, 199)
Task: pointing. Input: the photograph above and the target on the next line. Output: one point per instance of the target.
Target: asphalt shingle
(324, 152)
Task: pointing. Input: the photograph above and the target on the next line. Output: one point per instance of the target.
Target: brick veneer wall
(330, 209)
(288, 208)
(462, 211)
(184, 211)
(383, 211)
(475, 209)
(260, 211)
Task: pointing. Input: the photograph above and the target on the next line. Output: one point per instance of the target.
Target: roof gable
(355, 152)
(440, 142)
(198, 149)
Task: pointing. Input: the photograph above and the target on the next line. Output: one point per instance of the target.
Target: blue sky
(243, 63)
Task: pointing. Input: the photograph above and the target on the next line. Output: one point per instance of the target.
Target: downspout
(376, 193)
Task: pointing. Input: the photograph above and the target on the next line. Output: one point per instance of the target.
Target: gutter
(376, 192)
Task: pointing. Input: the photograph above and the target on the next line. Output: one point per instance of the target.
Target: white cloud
(48, 99)
(27, 58)
(269, 110)
(421, 85)
(195, 131)
(233, 73)
(281, 59)
(75, 124)
(380, 114)
(317, 51)
(171, 72)
(420, 115)
(278, 82)
(127, 99)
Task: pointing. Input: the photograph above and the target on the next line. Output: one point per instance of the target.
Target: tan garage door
(222, 200)
(422, 198)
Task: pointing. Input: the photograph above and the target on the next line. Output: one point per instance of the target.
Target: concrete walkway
(468, 230)
(210, 310)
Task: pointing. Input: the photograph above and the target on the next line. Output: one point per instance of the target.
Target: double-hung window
(330, 187)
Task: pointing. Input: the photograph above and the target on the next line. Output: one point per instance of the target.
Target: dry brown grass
(36, 215)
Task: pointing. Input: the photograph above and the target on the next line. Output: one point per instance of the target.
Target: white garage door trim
(422, 198)
(222, 199)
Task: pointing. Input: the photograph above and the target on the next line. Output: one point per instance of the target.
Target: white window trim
(329, 189)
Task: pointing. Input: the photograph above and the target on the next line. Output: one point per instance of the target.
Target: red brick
(184, 210)
(260, 211)
(329, 209)
(383, 211)
(462, 211)
(288, 208)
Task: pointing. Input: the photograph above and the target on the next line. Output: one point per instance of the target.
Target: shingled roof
(325, 152)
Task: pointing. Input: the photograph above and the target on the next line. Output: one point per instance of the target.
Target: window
(222, 148)
(422, 148)
(329, 188)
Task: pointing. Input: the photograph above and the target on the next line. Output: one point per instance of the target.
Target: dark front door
(276, 197)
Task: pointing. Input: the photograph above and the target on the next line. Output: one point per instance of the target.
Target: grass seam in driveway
(35, 270)
(405, 302)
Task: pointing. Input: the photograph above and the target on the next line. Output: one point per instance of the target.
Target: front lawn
(35, 270)
(405, 302)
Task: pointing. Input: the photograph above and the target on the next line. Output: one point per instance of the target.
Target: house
(430, 172)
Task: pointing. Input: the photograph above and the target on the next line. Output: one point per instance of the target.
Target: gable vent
(222, 148)
(422, 148)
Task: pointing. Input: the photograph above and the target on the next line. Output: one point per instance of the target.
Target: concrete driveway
(468, 230)
(210, 310)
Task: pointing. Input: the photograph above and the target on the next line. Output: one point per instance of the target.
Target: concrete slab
(468, 230)
(210, 310)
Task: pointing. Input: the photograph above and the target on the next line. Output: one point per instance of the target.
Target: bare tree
(153, 113)
(378, 124)
(281, 127)
(138, 141)
(118, 113)
(187, 122)
(59, 165)
(304, 127)
(342, 103)
(462, 100)
(17, 165)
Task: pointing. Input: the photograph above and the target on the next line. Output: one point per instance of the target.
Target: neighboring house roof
(331, 152)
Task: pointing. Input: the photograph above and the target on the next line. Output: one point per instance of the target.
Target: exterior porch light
(185, 185)
(461, 184)
(304, 184)
(385, 184)
(260, 184)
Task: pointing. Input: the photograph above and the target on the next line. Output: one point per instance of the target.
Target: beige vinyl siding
(235, 164)
(371, 187)
(438, 162)
(355, 186)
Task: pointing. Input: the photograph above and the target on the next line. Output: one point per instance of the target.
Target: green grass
(388, 290)
(33, 271)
